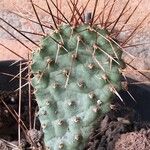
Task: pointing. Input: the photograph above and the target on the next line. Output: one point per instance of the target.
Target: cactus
(77, 68)
(76, 73)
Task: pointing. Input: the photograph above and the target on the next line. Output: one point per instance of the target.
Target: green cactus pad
(76, 73)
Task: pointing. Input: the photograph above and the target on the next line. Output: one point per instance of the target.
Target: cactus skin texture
(76, 74)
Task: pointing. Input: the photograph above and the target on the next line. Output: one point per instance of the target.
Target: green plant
(76, 73)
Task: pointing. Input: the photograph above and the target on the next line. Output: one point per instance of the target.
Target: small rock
(34, 135)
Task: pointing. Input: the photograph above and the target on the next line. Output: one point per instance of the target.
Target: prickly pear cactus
(76, 73)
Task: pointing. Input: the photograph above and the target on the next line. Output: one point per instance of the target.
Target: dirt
(9, 102)
(118, 131)
(134, 141)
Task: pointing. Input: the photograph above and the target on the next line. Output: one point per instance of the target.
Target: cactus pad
(76, 74)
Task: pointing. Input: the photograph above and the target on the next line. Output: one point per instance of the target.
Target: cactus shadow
(7, 71)
(141, 94)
